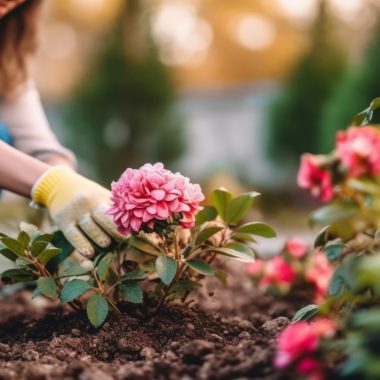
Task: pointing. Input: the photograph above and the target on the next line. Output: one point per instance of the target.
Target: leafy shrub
(348, 181)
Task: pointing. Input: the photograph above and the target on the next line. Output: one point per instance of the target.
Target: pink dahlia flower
(311, 176)
(359, 150)
(150, 193)
(296, 247)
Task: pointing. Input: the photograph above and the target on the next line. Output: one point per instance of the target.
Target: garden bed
(229, 335)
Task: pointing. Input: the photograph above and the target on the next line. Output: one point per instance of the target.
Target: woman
(37, 166)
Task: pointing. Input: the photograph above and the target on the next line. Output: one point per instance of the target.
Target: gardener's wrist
(47, 184)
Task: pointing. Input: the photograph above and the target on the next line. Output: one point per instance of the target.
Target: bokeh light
(254, 32)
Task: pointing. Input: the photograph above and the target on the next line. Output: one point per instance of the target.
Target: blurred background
(229, 92)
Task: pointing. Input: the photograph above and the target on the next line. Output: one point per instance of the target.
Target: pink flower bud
(296, 247)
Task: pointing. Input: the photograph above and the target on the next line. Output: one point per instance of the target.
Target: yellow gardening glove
(77, 206)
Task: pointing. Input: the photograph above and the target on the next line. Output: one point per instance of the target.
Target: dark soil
(233, 336)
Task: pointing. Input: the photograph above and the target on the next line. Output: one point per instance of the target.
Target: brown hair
(18, 42)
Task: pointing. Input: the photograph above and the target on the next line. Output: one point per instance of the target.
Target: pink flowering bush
(344, 174)
(350, 240)
(295, 268)
(358, 148)
(299, 345)
(142, 196)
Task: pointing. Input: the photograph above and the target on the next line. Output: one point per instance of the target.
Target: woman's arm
(77, 205)
(18, 171)
(23, 115)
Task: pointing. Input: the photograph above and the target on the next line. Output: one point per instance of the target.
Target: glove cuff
(45, 187)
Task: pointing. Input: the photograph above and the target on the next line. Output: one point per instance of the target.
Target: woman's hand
(77, 206)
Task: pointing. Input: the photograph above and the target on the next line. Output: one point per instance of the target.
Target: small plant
(171, 242)
(296, 267)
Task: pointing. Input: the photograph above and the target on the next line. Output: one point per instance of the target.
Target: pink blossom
(319, 273)
(298, 343)
(281, 271)
(277, 272)
(359, 150)
(296, 247)
(311, 176)
(311, 368)
(150, 193)
(255, 268)
(295, 341)
(324, 327)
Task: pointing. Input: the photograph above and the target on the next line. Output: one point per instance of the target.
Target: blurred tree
(122, 112)
(357, 88)
(295, 115)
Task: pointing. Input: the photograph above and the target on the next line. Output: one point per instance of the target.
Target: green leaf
(48, 287)
(6, 252)
(334, 249)
(222, 277)
(166, 269)
(74, 270)
(144, 245)
(12, 276)
(365, 117)
(221, 198)
(97, 310)
(104, 267)
(36, 292)
(184, 286)
(37, 247)
(134, 275)
(337, 283)
(132, 291)
(244, 251)
(23, 238)
(42, 237)
(259, 229)
(48, 254)
(334, 212)
(243, 237)
(200, 266)
(23, 262)
(323, 237)
(74, 289)
(206, 233)
(237, 252)
(305, 313)
(364, 185)
(239, 207)
(59, 240)
(208, 214)
(15, 246)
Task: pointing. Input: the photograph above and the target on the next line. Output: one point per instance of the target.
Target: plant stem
(176, 248)
(211, 259)
(180, 270)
